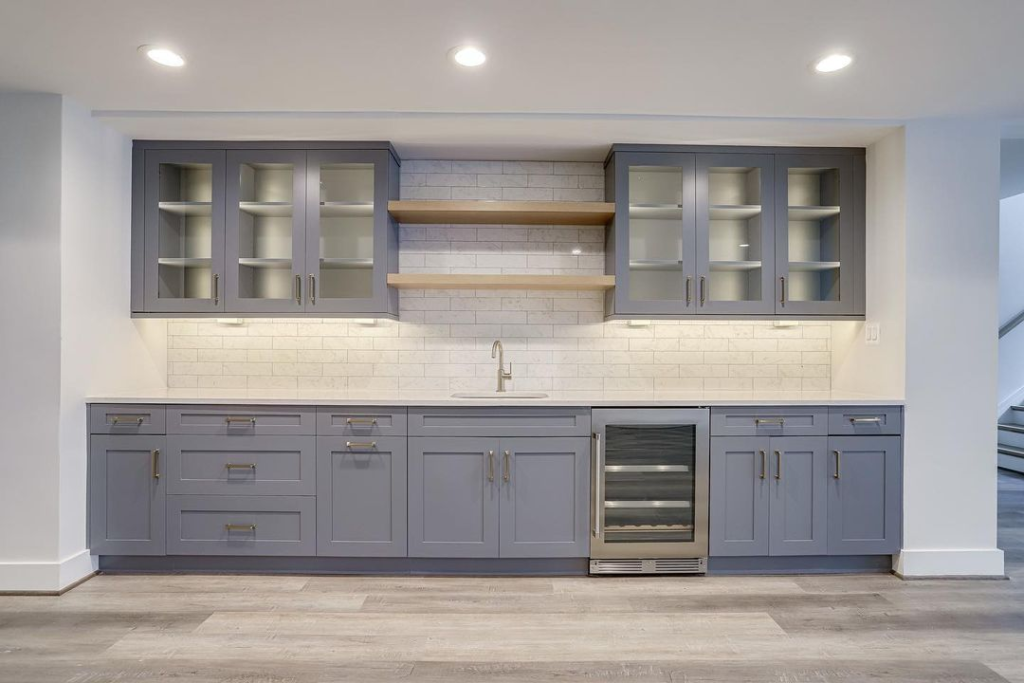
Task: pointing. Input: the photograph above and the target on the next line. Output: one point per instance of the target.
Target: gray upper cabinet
(819, 207)
(740, 481)
(266, 231)
(361, 496)
(544, 491)
(182, 232)
(735, 234)
(351, 240)
(453, 497)
(126, 495)
(651, 244)
(797, 504)
(864, 495)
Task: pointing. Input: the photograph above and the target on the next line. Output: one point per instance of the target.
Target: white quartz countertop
(414, 398)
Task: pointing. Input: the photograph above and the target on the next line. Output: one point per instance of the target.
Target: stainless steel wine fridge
(649, 491)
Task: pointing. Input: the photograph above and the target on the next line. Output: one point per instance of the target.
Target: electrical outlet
(872, 334)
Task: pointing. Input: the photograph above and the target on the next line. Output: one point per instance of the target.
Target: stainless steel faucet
(499, 350)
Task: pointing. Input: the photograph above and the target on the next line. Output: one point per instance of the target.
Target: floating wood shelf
(466, 281)
(512, 213)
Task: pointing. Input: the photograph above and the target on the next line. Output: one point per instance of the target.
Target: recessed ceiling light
(467, 55)
(832, 62)
(162, 55)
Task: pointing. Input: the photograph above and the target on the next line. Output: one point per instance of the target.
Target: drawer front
(882, 420)
(360, 421)
(769, 421)
(242, 465)
(241, 420)
(499, 421)
(126, 419)
(241, 525)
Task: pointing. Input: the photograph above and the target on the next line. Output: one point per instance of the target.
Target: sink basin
(503, 394)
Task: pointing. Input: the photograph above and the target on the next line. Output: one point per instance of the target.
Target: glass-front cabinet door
(265, 241)
(349, 235)
(816, 223)
(654, 234)
(735, 234)
(184, 231)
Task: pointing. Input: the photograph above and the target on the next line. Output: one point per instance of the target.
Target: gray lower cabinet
(126, 495)
(738, 524)
(453, 497)
(241, 465)
(864, 495)
(241, 525)
(797, 505)
(361, 497)
(545, 484)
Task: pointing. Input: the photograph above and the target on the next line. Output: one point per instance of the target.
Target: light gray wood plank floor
(288, 629)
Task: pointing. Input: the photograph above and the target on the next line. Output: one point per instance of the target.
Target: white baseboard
(46, 577)
(942, 563)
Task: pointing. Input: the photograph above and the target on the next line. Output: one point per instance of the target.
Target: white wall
(952, 193)
(879, 369)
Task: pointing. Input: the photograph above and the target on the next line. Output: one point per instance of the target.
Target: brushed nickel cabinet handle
(240, 466)
(298, 289)
(117, 419)
(361, 445)
(689, 286)
(865, 420)
(780, 421)
(598, 473)
(838, 455)
(231, 419)
(782, 291)
(702, 293)
(360, 420)
(155, 462)
(216, 289)
(239, 527)
(507, 472)
(490, 465)
(778, 465)
(764, 463)
(312, 289)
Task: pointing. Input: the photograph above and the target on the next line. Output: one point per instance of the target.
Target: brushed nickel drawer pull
(216, 289)
(490, 465)
(702, 294)
(507, 474)
(298, 289)
(865, 420)
(838, 456)
(778, 465)
(764, 463)
(312, 289)
(364, 445)
(758, 421)
(231, 419)
(239, 527)
(155, 457)
(117, 419)
(240, 466)
(360, 420)
(689, 285)
(782, 288)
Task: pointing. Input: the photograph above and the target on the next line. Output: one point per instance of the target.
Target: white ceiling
(566, 76)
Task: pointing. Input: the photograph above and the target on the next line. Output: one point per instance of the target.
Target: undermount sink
(499, 394)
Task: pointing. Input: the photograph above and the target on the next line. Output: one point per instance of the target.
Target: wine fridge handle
(598, 485)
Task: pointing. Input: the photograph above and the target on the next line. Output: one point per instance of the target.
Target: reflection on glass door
(346, 239)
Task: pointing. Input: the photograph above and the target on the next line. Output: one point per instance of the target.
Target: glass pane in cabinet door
(734, 234)
(814, 228)
(346, 231)
(186, 231)
(655, 233)
(649, 492)
(265, 210)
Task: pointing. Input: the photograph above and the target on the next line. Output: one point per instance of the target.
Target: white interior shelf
(266, 208)
(339, 263)
(732, 266)
(342, 209)
(647, 210)
(812, 213)
(736, 212)
(655, 264)
(187, 208)
(812, 266)
(265, 262)
(191, 262)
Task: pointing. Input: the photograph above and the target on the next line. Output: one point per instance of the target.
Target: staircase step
(1009, 450)
(1008, 427)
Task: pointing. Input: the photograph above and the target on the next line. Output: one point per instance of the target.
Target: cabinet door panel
(265, 231)
(241, 465)
(126, 495)
(798, 507)
(184, 231)
(865, 494)
(545, 484)
(739, 496)
(361, 497)
(453, 497)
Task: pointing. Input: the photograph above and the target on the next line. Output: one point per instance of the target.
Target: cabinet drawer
(499, 421)
(360, 421)
(126, 419)
(843, 420)
(242, 465)
(241, 525)
(241, 420)
(769, 421)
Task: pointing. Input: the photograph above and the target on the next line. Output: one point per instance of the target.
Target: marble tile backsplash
(557, 341)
